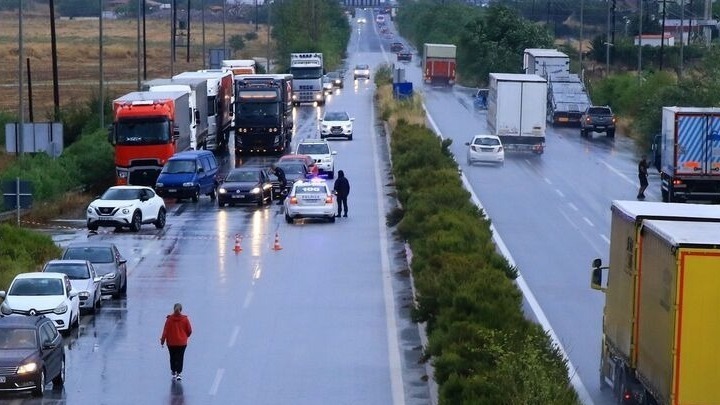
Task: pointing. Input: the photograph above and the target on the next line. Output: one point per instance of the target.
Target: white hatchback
(84, 280)
(127, 206)
(38, 293)
(485, 148)
(310, 199)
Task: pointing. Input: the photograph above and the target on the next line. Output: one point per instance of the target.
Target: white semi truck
(307, 70)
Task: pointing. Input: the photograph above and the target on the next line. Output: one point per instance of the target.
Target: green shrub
(23, 250)
(236, 42)
(251, 36)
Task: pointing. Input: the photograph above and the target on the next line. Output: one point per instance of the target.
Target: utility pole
(187, 39)
(202, 4)
(173, 7)
(608, 43)
(53, 50)
(662, 36)
(706, 16)
(144, 35)
(19, 148)
(225, 55)
(102, 82)
(139, 3)
(582, 26)
(682, 37)
(269, 7)
(640, 38)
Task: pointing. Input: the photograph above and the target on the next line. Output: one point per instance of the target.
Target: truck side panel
(505, 99)
(691, 130)
(533, 115)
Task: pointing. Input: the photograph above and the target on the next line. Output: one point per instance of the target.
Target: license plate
(172, 190)
(562, 119)
(238, 196)
(2, 379)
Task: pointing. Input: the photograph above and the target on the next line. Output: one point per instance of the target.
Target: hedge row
(482, 347)
(23, 250)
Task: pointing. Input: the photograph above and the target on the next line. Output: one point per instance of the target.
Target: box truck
(438, 64)
(544, 62)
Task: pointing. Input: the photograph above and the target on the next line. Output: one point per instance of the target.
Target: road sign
(17, 194)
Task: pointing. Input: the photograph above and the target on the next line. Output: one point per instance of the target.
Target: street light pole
(640, 38)
(223, 19)
(582, 26)
(607, 42)
(21, 55)
(203, 33)
(102, 82)
(139, 4)
(662, 37)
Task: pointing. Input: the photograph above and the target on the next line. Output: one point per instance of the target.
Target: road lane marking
(573, 206)
(588, 221)
(575, 380)
(605, 238)
(396, 381)
(618, 172)
(560, 193)
(248, 298)
(547, 180)
(256, 273)
(216, 382)
(234, 336)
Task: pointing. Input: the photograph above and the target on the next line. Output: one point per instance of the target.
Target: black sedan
(245, 185)
(294, 170)
(31, 354)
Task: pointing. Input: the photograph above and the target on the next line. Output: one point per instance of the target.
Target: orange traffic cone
(277, 246)
(237, 247)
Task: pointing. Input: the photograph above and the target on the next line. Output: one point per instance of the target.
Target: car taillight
(677, 182)
(293, 200)
(329, 199)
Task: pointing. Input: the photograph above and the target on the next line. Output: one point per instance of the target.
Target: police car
(310, 199)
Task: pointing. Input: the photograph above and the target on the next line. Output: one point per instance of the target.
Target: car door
(266, 184)
(50, 349)
(73, 302)
(120, 264)
(95, 281)
(146, 204)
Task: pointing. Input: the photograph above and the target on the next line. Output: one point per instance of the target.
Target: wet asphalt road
(323, 321)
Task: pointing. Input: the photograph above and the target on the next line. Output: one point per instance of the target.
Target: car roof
(130, 187)
(28, 321)
(294, 156)
(190, 154)
(95, 244)
(40, 274)
(68, 261)
(486, 136)
(336, 112)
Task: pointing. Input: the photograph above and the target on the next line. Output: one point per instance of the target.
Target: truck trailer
(567, 99)
(544, 62)
(263, 111)
(517, 105)
(438, 64)
(307, 70)
(220, 100)
(240, 66)
(690, 154)
(148, 128)
(626, 303)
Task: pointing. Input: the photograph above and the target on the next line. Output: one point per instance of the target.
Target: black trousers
(342, 202)
(177, 355)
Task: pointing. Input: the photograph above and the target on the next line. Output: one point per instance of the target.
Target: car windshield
(121, 194)
(599, 110)
(336, 116)
(74, 271)
(17, 339)
(179, 166)
(486, 141)
(91, 254)
(243, 176)
(333, 75)
(313, 149)
(292, 168)
(37, 287)
(361, 67)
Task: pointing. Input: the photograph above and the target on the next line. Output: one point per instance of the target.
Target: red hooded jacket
(176, 331)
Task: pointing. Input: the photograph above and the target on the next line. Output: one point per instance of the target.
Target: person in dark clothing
(280, 174)
(176, 332)
(643, 177)
(342, 190)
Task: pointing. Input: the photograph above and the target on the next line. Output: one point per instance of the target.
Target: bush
(22, 250)
(236, 42)
(251, 36)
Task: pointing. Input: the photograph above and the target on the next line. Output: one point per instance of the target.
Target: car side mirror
(122, 261)
(200, 170)
(176, 132)
(72, 294)
(467, 143)
(352, 119)
(333, 152)
(596, 278)
(97, 279)
(48, 345)
(3, 294)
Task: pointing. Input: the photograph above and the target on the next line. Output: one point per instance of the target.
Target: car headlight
(255, 190)
(110, 276)
(126, 210)
(222, 190)
(188, 184)
(84, 294)
(123, 174)
(27, 368)
(318, 96)
(5, 309)
(90, 210)
(61, 309)
(159, 185)
(327, 160)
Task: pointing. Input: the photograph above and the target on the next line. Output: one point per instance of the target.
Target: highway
(326, 319)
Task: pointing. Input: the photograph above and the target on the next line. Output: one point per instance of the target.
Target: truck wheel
(610, 133)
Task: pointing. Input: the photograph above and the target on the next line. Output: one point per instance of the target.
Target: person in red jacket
(176, 332)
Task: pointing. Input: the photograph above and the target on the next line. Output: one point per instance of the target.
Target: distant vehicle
(31, 354)
(485, 148)
(240, 66)
(336, 124)
(567, 99)
(83, 278)
(544, 62)
(361, 71)
(598, 119)
(337, 79)
(438, 64)
(38, 293)
(245, 185)
(380, 19)
(295, 170)
(107, 261)
(127, 207)
(189, 174)
(321, 152)
(310, 199)
(307, 160)
(396, 47)
(404, 56)
(307, 70)
(328, 85)
(361, 20)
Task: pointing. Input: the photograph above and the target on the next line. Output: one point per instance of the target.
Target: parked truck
(240, 66)
(544, 62)
(263, 111)
(567, 99)
(660, 282)
(690, 154)
(220, 101)
(197, 92)
(517, 105)
(438, 64)
(307, 70)
(148, 128)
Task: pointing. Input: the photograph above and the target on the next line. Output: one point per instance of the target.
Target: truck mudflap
(535, 144)
(682, 189)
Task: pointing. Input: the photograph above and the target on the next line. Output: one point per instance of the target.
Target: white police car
(310, 199)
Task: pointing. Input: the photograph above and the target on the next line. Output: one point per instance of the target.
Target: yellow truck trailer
(621, 329)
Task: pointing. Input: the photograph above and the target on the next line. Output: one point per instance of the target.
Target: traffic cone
(237, 247)
(277, 246)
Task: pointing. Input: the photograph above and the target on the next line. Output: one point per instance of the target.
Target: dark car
(294, 170)
(245, 185)
(31, 354)
(396, 47)
(336, 78)
(598, 119)
(404, 56)
(108, 263)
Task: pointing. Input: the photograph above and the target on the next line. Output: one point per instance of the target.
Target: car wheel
(331, 219)
(59, 379)
(92, 227)
(161, 217)
(288, 219)
(123, 288)
(196, 195)
(39, 385)
(350, 137)
(469, 162)
(136, 222)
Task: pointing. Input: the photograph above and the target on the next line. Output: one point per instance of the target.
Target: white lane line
(560, 193)
(248, 298)
(573, 206)
(396, 382)
(616, 171)
(574, 225)
(575, 380)
(257, 272)
(588, 221)
(234, 336)
(216, 382)
(547, 180)
(605, 238)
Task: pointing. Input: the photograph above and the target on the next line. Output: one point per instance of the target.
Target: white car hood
(81, 285)
(337, 123)
(113, 203)
(40, 303)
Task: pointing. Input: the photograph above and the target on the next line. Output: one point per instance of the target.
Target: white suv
(319, 151)
(127, 206)
(336, 124)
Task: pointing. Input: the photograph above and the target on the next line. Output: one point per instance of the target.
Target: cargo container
(544, 62)
(438, 64)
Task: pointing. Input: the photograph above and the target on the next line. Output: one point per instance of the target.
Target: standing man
(342, 190)
(643, 177)
(280, 174)
(176, 332)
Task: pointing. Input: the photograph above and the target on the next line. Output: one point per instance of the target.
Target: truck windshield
(143, 132)
(306, 73)
(257, 113)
